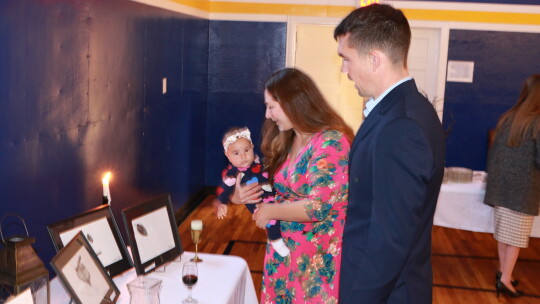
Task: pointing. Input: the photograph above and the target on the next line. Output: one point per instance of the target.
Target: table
(461, 206)
(222, 279)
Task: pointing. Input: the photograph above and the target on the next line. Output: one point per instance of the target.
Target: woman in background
(513, 181)
(306, 147)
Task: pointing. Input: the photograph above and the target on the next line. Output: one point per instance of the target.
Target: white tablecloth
(222, 279)
(461, 206)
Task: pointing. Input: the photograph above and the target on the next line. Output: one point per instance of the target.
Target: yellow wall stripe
(341, 11)
(203, 5)
(279, 9)
(468, 16)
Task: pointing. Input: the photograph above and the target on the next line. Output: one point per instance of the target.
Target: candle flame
(106, 178)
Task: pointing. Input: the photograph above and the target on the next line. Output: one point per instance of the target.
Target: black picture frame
(152, 233)
(81, 273)
(108, 242)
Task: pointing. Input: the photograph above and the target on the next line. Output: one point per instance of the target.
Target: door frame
(442, 27)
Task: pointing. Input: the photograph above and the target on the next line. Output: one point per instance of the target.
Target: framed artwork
(153, 235)
(82, 274)
(100, 229)
(24, 297)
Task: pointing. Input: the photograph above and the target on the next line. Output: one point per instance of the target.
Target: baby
(244, 164)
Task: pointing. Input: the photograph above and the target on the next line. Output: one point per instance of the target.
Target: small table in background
(461, 206)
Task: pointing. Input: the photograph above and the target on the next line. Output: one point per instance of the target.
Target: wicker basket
(457, 175)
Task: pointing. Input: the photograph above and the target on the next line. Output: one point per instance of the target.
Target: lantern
(21, 268)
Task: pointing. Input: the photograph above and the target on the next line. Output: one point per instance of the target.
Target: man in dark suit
(396, 165)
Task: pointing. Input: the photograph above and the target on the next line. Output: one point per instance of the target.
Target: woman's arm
(327, 183)
(291, 212)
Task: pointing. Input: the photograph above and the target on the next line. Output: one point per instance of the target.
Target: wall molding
(194, 8)
(279, 11)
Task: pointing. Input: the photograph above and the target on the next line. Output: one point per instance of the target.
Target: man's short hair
(377, 26)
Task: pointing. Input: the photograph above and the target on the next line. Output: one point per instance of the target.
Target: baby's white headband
(234, 137)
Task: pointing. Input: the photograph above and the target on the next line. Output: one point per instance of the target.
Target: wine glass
(189, 277)
(196, 232)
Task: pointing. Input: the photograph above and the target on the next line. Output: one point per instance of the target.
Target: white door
(316, 55)
(312, 49)
(423, 60)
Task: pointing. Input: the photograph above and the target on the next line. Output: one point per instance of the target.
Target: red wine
(189, 279)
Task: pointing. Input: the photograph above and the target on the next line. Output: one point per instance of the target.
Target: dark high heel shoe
(499, 275)
(501, 288)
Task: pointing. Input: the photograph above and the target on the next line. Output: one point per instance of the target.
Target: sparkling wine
(196, 236)
(196, 232)
(189, 279)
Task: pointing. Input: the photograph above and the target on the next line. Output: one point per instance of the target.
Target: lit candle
(106, 191)
(196, 225)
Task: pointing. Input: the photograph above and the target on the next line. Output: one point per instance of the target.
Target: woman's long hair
(306, 108)
(523, 118)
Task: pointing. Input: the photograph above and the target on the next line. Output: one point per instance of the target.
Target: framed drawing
(153, 235)
(82, 274)
(100, 229)
(24, 297)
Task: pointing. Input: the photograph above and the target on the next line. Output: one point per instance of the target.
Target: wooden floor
(464, 263)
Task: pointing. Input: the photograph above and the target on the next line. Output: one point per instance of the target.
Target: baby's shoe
(280, 247)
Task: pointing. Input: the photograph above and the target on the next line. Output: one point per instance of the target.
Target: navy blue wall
(80, 93)
(502, 62)
(242, 55)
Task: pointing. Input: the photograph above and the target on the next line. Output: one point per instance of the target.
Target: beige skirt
(512, 227)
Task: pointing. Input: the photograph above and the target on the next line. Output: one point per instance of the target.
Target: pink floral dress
(310, 274)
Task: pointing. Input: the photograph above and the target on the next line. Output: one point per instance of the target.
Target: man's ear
(375, 60)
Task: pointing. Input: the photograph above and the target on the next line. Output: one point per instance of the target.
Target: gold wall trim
(334, 11)
(280, 9)
(469, 16)
(202, 5)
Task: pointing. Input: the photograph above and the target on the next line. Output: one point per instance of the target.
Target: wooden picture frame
(153, 234)
(82, 274)
(100, 229)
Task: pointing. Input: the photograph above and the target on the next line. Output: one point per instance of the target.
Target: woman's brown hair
(523, 118)
(306, 108)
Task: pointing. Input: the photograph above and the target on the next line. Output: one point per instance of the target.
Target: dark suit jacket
(396, 166)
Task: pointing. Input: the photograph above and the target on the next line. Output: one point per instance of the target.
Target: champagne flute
(190, 277)
(196, 232)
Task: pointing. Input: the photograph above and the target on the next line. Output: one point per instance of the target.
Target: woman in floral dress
(306, 146)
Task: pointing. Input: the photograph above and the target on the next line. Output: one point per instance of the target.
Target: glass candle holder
(144, 290)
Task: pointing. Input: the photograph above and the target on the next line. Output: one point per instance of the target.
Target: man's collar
(373, 102)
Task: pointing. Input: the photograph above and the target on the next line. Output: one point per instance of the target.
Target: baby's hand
(222, 211)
